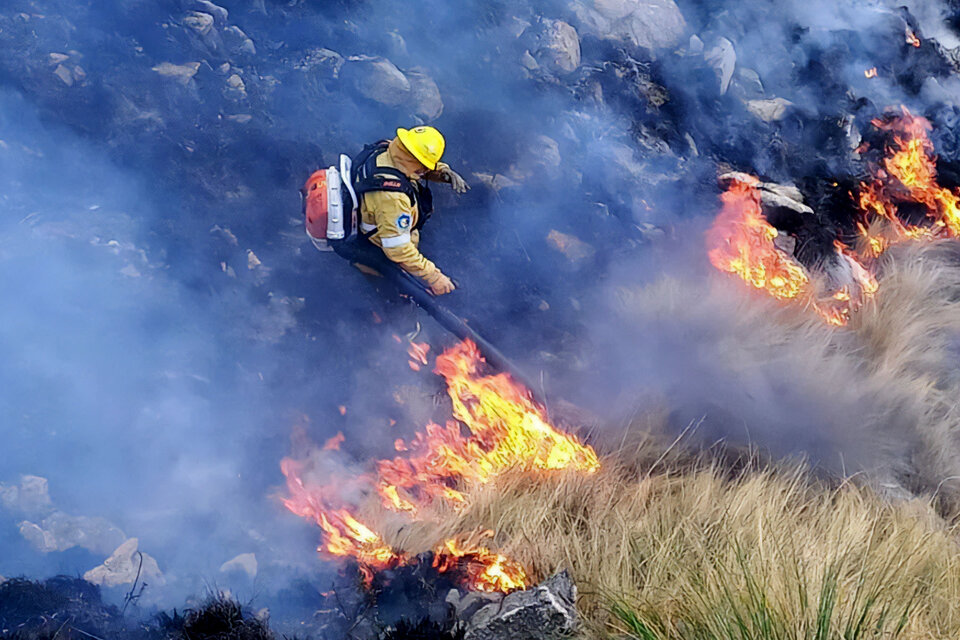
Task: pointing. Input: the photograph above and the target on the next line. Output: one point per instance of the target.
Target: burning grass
(695, 552)
(669, 547)
(674, 547)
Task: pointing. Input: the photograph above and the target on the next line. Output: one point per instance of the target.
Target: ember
(505, 430)
(912, 38)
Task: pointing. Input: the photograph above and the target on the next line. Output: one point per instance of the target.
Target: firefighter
(395, 202)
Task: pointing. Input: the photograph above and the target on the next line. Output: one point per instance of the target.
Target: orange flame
(907, 174)
(870, 73)
(418, 355)
(496, 427)
(344, 535)
(487, 571)
(508, 430)
(912, 38)
(741, 242)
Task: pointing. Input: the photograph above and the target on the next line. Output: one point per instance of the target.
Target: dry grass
(761, 554)
(699, 549)
(910, 339)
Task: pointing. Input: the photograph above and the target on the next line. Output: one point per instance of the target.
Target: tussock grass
(703, 554)
(683, 546)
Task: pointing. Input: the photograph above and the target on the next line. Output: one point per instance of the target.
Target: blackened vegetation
(69, 608)
(60, 607)
(423, 630)
(222, 618)
(398, 603)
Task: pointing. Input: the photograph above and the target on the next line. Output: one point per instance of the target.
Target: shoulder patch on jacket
(403, 222)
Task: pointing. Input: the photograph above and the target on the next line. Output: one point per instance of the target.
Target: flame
(333, 444)
(507, 430)
(344, 535)
(496, 427)
(741, 243)
(870, 73)
(487, 571)
(418, 354)
(907, 174)
(912, 38)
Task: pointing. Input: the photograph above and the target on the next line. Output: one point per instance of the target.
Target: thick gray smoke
(167, 324)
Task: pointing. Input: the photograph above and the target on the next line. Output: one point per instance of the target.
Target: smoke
(120, 384)
(166, 323)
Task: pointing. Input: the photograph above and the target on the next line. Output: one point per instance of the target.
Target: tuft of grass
(665, 546)
(695, 552)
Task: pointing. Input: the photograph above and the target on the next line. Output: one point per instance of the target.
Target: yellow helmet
(425, 143)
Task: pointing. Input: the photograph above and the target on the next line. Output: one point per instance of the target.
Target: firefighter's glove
(442, 285)
(459, 184)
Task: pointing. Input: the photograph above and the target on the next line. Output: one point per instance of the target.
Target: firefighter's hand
(442, 285)
(458, 184)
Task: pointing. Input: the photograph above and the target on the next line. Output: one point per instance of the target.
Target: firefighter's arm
(394, 231)
(443, 173)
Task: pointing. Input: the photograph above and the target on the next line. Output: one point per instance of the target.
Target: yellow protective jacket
(392, 218)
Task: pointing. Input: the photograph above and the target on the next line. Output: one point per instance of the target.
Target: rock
(772, 195)
(57, 58)
(748, 84)
(201, 23)
(377, 79)
(238, 43)
(769, 110)
(695, 46)
(220, 15)
(182, 72)
(424, 95)
(245, 562)
(722, 57)
(464, 607)
(324, 60)
(397, 46)
(649, 24)
(65, 75)
(542, 613)
(60, 531)
(495, 182)
(125, 566)
(555, 46)
(541, 160)
(575, 249)
(31, 497)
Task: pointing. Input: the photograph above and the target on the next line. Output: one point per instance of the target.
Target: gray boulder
(238, 43)
(425, 99)
(555, 46)
(201, 23)
(220, 15)
(769, 110)
(545, 612)
(747, 84)
(377, 79)
(650, 24)
(722, 57)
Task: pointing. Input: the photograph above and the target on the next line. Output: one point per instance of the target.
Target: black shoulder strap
(367, 176)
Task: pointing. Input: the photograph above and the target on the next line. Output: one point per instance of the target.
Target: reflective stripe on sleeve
(390, 243)
(367, 227)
